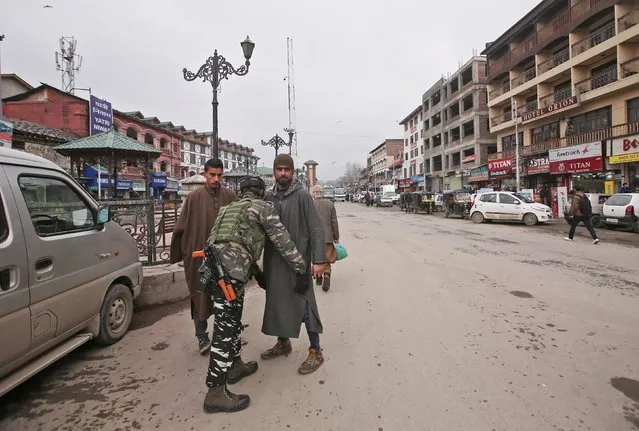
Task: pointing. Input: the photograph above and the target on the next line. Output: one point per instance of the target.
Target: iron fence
(150, 222)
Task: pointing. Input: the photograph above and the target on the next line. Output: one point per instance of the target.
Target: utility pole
(290, 80)
(516, 116)
(1, 39)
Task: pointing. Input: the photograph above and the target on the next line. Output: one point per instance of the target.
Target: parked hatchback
(509, 206)
(67, 273)
(622, 210)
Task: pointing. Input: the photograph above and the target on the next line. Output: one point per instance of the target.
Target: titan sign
(577, 159)
(550, 109)
(500, 168)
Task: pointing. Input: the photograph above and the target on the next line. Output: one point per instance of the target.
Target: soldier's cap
(284, 160)
(252, 181)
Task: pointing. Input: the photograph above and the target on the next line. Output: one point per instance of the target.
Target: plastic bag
(341, 251)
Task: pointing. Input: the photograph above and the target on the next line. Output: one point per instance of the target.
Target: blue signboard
(100, 116)
(417, 178)
(124, 185)
(158, 179)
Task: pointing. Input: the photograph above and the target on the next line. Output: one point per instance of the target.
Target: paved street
(431, 324)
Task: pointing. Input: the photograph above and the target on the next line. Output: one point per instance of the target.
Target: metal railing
(630, 67)
(502, 118)
(555, 97)
(628, 20)
(567, 141)
(528, 107)
(529, 74)
(502, 89)
(594, 39)
(150, 222)
(602, 78)
(557, 59)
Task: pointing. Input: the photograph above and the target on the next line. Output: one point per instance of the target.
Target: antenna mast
(65, 61)
(291, 95)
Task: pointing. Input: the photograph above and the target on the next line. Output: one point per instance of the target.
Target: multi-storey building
(196, 150)
(381, 161)
(455, 134)
(564, 80)
(413, 144)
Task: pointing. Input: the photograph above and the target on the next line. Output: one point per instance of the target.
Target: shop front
(624, 156)
(580, 164)
(478, 177)
(501, 175)
(418, 181)
(171, 189)
(405, 185)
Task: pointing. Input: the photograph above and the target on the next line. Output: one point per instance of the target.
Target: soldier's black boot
(327, 282)
(219, 399)
(239, 370)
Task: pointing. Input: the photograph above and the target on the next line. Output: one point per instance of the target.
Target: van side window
(4, 222)
(54, 206)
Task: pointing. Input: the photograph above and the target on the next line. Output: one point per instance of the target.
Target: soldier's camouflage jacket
(240, 232)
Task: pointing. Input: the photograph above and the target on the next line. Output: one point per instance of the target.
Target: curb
(162, 284)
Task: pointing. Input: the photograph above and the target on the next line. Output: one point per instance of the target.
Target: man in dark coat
(286, 306)
(191, 231)
(328, 215)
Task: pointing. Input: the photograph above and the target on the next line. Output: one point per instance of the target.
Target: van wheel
(635, 227)
(530, 219)
(115, 314)
(477, 217)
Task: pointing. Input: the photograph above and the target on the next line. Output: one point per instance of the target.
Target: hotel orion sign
(562, 105)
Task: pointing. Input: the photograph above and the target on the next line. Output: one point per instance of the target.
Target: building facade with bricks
(382, 159)
(565, 77)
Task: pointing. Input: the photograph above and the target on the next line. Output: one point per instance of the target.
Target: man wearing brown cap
(289, 298)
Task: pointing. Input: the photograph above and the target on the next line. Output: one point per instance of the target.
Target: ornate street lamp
(215, 70)
(276, 142)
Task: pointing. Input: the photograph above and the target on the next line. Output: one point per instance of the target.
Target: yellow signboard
(625, 158)
(609, 187)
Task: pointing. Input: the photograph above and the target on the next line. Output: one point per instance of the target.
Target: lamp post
(291, 133)
(275, 142)
(215, 70)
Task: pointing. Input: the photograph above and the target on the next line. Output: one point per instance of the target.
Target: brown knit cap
(284, 160)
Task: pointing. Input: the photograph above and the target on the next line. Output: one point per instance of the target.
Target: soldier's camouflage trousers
(225, 345)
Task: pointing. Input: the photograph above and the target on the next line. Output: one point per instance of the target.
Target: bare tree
(352, 173)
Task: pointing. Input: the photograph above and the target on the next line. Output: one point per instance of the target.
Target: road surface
(431, 324)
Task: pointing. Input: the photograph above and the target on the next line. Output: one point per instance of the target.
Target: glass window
(633, 110)
(507, 199)
(489, 197)
(590, 121)
(545, 132)
(54, 206)
(4, 223)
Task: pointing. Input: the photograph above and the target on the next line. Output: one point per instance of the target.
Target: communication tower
(68, 62)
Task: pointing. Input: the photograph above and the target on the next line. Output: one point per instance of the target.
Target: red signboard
(403, 183)
(576, 166)
(467, 159)
(538, 165)
(500, 168)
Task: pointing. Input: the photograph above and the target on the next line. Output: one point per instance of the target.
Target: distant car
(385, 200)
(508, 206)
(596, 201)
(622, 210)
(340, 195)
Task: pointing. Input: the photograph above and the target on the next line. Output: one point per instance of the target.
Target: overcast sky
(360, 66)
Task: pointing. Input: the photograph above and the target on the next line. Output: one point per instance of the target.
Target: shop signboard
(6, 133)
(124, 185)
(417, 178)
(625, 150)
(500, 168)
(576, 159)
(468, 159)
(100, 116)
(479, 173)
(538, 165)
(404, 183)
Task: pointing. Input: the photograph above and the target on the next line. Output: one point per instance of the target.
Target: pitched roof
(40, 131)
(17, 78)
(41, 87)
(263, 171)
(106, 141)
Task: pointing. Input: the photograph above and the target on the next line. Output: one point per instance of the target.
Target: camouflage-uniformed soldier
(238, 237)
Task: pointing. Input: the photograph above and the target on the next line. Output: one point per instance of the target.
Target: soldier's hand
(302, 284)
(318, 270)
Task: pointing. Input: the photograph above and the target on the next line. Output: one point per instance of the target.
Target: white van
(67, 273)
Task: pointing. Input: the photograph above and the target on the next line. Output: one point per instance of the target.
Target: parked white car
(508, 206)
(385, 200)
(622, 210)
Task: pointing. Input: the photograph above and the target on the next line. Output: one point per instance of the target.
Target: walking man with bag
(234, 246)
(328, 214)
(581, 211)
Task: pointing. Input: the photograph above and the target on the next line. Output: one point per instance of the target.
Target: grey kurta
(285, 308)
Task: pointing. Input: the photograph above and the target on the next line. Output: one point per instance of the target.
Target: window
(633, 110)
(202, 160)
(202, 149)
(4, 223)
(54, 206)
(226, 164)
(489, 198)
(508, 142)
(405, 173)
(406, 158)
(545, 132)
(590, 121)
(192, 147)
(193, 158)
(505, 198)
(163, 166)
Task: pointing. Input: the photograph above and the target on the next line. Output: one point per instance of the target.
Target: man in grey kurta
(287, 306)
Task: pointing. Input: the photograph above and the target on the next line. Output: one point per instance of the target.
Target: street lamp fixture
(276, 142)
(215, 70)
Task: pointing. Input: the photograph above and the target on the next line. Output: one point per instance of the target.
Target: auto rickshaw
(412, 202)
(428, 203)
(457, 202)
